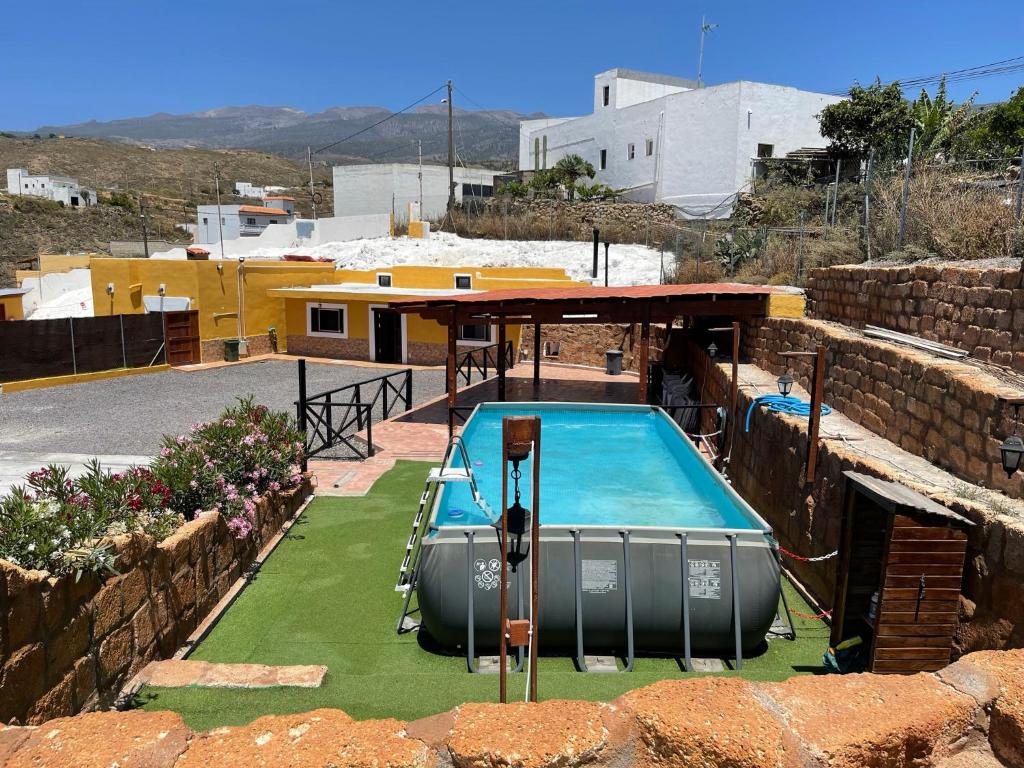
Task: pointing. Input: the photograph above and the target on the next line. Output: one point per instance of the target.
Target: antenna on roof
(705, 27)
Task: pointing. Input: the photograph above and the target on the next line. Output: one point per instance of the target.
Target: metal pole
(828, 198)
(800, 250)
(536, 355)
(74, 359)
(734, 567)
(906, 192)
(503, 580)
(597, 236)
(300, 407)
(124, 355)
(419, 202)
(220, 221)
(867, 204)
(835, 195)
(685, 572)
(535, 563)
(145, 231)
(312, 198)
(817, 395)
(451, 162)
(1020, 196)
(606, 264)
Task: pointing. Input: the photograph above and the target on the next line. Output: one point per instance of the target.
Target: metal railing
(332, 418)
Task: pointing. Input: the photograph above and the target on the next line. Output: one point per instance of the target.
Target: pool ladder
(438, 476)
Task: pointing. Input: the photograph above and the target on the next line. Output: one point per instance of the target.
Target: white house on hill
(60, 189)
(661, 138)
(242, 220)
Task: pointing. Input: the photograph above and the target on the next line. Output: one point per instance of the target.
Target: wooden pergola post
(501, 362)
(536, 355)
(645, 350)
(735, 387)
(450, 362)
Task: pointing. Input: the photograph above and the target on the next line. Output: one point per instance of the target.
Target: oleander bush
(62, 524)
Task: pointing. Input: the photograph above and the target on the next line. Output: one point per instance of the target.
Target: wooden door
(181, 334)
(387, 336)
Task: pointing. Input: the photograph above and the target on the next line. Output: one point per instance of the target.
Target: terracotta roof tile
(264, 211)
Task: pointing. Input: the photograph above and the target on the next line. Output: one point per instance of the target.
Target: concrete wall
(71, 645)
(980, 311)
(48, 287)
(136, 249)
(703, 141)
(385, 189)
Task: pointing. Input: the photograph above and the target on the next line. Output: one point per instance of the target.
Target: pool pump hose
(790, 406)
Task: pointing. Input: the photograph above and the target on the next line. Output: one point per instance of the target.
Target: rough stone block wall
(969, 714)
(586, 214)
(807, 519)
(948, 412)
(979, 311)
(68, 646)
(212, 350)
(586, 344)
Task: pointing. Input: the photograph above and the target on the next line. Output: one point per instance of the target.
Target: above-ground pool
(629, 512)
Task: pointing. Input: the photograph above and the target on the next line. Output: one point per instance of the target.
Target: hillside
(488, 137)
(30, 226)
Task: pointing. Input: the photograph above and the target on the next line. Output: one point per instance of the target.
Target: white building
(660, 138)
(390, 188)
(241, 220)
(245, 189)
(60, 189)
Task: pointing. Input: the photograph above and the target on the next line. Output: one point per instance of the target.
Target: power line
(379, 122)
(968, 74)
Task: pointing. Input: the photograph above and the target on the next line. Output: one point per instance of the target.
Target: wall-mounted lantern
(785, 383)
(1011, 452)
(712, 350)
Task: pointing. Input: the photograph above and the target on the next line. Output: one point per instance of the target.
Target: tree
(571, 168)
(876, 117)
(996, 130)
(939, 121)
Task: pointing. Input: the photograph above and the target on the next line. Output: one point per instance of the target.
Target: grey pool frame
(652, 611)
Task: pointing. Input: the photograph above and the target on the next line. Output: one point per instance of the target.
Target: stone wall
(980, 311)
(969, 714)
(807, 518)
(68, 646)
(946, 411)
(212, 350)
(586, 214)
(586, 344)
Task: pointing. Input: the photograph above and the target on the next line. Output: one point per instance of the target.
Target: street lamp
(785, 383)
(712, 349)
(1012, 450)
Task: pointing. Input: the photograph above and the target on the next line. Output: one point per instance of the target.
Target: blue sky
(71, 61)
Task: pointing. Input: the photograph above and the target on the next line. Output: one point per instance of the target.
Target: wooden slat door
(181, 331)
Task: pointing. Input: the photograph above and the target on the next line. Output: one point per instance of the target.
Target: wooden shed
(901, 561)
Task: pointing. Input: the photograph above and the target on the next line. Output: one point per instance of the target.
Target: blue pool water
(599, 466)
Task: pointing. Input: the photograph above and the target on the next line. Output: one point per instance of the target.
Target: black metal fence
(331, 420)
(31, 349)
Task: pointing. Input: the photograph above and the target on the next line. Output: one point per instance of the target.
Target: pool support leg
(581, 661)
(470, 615)
(630, 650)
(736, 600)
(685, 572)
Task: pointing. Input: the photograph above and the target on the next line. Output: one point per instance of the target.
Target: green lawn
(326, 596)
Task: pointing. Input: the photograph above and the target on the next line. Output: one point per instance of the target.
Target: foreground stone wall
(807, 518)
(67, 645)
(980, 311)
(586, 344)
(945, 411)
(586, 214)
(969, 714)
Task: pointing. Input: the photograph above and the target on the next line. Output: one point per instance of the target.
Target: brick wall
(807, 518)
(980, 311)
(68, 646)
(586, 344)
(946, 411)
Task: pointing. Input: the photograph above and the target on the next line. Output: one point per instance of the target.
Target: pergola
(642, 304)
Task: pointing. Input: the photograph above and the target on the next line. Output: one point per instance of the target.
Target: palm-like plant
(569, 170)
(938, 121)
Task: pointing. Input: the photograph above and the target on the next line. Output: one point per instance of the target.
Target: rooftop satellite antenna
(705, 27)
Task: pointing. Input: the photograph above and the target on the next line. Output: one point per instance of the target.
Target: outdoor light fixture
(785, 384)
(517, 517)
(110, 289)
(712, 349)
(1012, 450)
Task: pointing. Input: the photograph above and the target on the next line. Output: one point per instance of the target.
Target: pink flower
(165, 452)
(193, 484)
(275, 486)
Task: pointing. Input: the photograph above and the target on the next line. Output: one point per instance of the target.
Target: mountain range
(488, 137)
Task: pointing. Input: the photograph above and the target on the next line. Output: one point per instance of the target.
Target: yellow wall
(12, 307)
(786, 305)
(55, 262)
(213, 293)
(414, 276)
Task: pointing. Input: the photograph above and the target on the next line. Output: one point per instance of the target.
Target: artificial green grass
(326, 596)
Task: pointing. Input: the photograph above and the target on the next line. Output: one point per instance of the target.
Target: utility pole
(419, 213)
(906, 192)
(451, 161)
(312, 194)
(145, 231)
(704, 29)
(220, 220)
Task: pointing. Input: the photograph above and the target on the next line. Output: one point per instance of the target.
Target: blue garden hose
(791, 406)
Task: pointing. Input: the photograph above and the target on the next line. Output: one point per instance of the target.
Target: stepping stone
(779, 630)
(601, 664)
(491, 665)
(181, 673)
(708, 665)
(409, 624)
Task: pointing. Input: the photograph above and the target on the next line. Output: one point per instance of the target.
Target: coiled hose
(790, 406)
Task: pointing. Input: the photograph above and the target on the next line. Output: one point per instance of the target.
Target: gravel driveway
(128, 415)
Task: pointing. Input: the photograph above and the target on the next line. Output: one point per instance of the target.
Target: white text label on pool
(600, 576)
(706, 579)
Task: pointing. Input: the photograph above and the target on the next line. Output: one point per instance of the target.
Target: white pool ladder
(438, 476)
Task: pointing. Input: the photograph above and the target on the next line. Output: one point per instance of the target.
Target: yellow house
(10, 303)
(349, 320)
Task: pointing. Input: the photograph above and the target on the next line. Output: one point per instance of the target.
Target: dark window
(463, 282)
(480, 332)
(765, 150)
(606, 95)
(649, 147)
(273, 221)
(205, 220)
(604, 159)
(327, 320)
(384, 281)
(551, 348)
(477, 190)
(251, 220)
(631, 151)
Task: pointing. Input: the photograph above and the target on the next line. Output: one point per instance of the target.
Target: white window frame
(327, 334)
(455, 281)
(476, 342)
(373, 335)
(391, 280)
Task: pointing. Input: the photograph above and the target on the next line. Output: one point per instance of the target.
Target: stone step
(181, 673)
